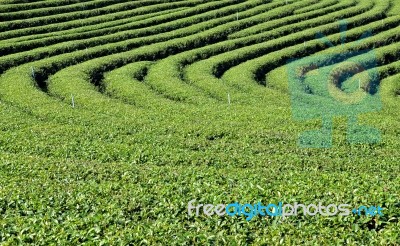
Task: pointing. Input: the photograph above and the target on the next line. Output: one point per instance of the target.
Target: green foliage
(115, 114)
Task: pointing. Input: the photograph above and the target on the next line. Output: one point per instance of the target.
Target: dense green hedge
(173, 78)
(137, 28)
(304, 18)
(256, 68)
(106, 41)
(51, 19)
(320, 5)
(96, 20)
(218, 64)
(127, 84)
(25, 14)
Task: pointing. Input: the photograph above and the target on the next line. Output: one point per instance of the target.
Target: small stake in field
(286, 1)
(359, 84)
(229, 99)
(237, 16)
(304, 43)
(33, 72)
(72, 101)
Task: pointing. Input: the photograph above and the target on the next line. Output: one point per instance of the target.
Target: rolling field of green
(115, 114)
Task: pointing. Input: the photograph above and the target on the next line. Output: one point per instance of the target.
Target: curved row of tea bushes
(43, 29)
(395, 10)
(31, 13)
(17, 83)
(222, 62)
(304, 17)
(60, 18)
(12, 46)
(384, 45)
(198, 76)
(112, 43)
(127, 84)
(111, 67)
(12, 6)
(84, 55)
(118, 23)
(157, 24)
(320, 5)
(256, 68)
(173, 77)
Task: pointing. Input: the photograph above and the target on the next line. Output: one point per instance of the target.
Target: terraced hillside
(115, 114)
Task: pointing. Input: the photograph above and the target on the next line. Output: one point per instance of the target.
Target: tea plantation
(114, 114)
